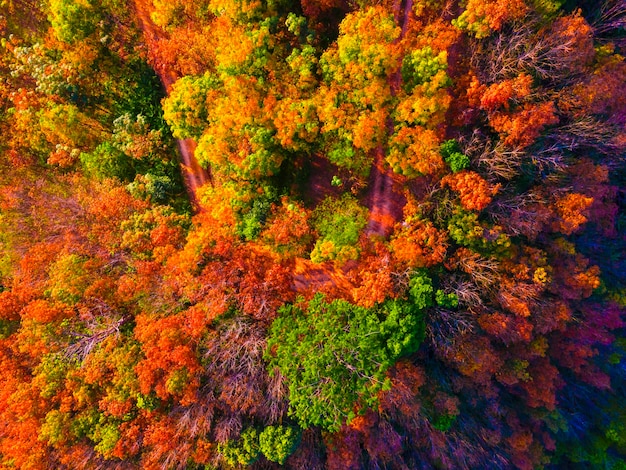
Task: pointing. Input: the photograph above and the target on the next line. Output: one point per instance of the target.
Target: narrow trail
(194, 175)
(386, 200)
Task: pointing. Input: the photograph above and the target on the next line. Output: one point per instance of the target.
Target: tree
(278, 442)
(414, 151)
(73, 20)
(418, 244)
(482, 17)
(474, 192)
(187, 108)
(352, 102)
(339, 223)
(335, 355)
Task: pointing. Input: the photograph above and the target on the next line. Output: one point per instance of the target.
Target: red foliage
(170, 366)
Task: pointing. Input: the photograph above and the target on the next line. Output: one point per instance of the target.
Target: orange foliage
(484, 16)
(316, 8)
(419, 244)
(375, 281)
(170, 365)
(571, 212)
(476, 358)
(44, 311)
(20, 414)
(415, 151)
(499, 94)
(437, 33)
(288, 232)
(541, 390)
(521, 128)
(406, 379)
(164, 447)
(474, 192)
(574, 31)
(128, 444)
(264, 287)
(9, 306)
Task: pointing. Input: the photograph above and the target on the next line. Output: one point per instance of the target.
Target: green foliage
(352, 105)
(68, 279)
(51, 373)
(134, 136)
(107, 161)
(403, 326)
(54, 428)
(177, 380)
(446, 300)
(278, 442)
(452, 155)
(43, 66)
(74, 20)
(362, 40)
(303, 62)
(466, 230)
(8, 327)
(186, 108)
(421, 290)
(336, 181)
(253, 220)
(419, 66)
(158, 189)
(138, 92)
(443, 422)
(267, 156)
(520, 368)
(138, 227)
(244, 451)
(549, 9)
(343, 154)
(296, 25)
(335, 355)
(67, 123)
(147, 402)
(339, 223)
(105, 436)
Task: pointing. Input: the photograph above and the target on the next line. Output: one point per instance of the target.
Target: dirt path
(385, 199)
(194, 175)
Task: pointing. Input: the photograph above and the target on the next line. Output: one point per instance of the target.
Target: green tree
(186, 109)
(278, 442)
(339, 223)
(420, 66)
(335, 355)
(74, 20)
(243, 451)
(452, 155)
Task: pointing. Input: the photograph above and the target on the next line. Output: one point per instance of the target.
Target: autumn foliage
(408, 251)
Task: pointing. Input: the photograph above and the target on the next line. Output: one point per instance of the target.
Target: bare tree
(608, 19)
(104, 321)
(528, 47)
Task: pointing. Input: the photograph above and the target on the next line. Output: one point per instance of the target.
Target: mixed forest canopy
(315, 234)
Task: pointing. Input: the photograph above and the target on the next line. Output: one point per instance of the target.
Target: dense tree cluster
(410, 251)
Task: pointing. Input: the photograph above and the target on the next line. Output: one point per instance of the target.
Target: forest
(314, 234)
